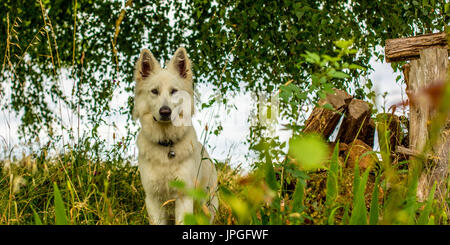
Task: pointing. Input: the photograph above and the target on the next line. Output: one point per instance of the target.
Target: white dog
(167, 142)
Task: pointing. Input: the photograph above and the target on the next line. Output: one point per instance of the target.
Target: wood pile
(357, 131)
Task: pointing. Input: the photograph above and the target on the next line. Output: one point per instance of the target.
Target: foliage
(254, 45)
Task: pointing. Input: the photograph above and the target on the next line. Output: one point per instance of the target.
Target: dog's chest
(156, 179)
(160, 178)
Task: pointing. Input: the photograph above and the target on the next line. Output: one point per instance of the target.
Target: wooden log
(430, 68)
(406, 151)
(367, 133)
(324, 121)
(400, 49)
(359, 153)
(356, 117)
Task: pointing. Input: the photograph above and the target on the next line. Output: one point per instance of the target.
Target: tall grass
(74, 188)
(71, 190)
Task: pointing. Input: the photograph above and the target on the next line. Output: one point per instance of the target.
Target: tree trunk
(431, 67)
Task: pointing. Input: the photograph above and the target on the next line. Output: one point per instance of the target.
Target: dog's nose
(165, 112)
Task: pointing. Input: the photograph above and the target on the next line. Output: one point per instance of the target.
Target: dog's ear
(146, 65)
(181, 64)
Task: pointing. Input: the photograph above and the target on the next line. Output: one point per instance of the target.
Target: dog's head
(164, 95)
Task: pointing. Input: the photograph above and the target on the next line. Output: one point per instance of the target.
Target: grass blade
(299, 194)
(37, 220)
(332, 181)
(374, 208)
(60, 211)
(359, 212)
(345, 218)
(424, 216)
(269, 172)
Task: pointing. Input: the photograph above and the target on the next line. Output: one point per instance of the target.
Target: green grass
(72, 189)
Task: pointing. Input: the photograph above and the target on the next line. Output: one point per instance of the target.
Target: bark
(324, 121)
(409, 48)
(357, 119)
(430, 68)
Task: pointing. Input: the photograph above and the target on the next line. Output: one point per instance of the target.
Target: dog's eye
(155, 91)
(173, 91)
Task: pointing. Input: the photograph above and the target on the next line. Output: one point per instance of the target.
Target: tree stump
(357, 119)
(324, 121)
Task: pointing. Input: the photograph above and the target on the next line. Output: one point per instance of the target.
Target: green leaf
(332, 178)
(297, 199)
(338, 74)
(356, 67)
(331, 216)
(312, 57)
(197, 194)
(424, 216)
(359, 212)
(343, 44)
(37, 220)
(60, 211)
(374, 208)
(346, 217)
(310, 151)
(269, 171)
(177, 184)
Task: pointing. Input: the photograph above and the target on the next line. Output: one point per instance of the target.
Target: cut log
(324, 121)
(356, 117)
(400, 49)
(358, 153)
(367, 133)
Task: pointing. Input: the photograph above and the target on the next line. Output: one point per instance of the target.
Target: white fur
(156, 168)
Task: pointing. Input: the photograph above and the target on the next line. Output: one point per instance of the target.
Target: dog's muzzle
(165, 113)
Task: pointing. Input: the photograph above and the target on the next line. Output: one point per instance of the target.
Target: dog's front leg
(156, 212)
(183, 205)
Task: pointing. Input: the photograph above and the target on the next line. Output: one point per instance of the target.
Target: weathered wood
(440, 171)
(406, 151)
(356, 117)
(430, 68)
(406, 68)
(367, 133)
(324, 121)
(359, 153)
(399, 49)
